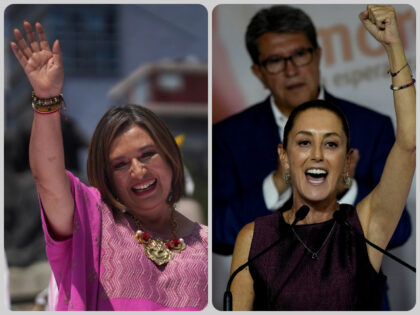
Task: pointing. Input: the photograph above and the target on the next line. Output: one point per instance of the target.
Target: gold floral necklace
(157, 250)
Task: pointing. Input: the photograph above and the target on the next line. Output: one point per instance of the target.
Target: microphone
(341, 218)
(300, 214)
(227, 298)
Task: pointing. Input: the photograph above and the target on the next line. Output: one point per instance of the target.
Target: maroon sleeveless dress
(288, 278)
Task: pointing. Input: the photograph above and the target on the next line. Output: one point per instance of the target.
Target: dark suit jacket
(245, 152)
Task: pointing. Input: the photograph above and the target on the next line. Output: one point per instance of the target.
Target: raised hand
(43, 66)
(381, 22)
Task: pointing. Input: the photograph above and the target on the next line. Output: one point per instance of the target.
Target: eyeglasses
(276, 64)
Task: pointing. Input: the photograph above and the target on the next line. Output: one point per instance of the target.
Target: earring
(287, 177)
(170, 196)
(123, 210)
(347, 181)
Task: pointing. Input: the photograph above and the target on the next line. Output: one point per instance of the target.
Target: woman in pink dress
(119, 244)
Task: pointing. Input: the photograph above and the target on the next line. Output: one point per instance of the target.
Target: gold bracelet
(46, 109)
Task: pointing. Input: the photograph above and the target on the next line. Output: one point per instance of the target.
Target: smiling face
(316, 155)
(141, 176)
(294, 85)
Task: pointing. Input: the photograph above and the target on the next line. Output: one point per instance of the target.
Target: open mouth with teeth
(138, 189)
(316, 175)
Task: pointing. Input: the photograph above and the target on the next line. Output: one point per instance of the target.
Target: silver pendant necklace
(314, 254)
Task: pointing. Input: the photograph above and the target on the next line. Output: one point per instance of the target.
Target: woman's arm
(380, 211)
(243, 285)
(44, 70)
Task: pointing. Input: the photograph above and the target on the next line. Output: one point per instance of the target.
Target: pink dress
(102, 267)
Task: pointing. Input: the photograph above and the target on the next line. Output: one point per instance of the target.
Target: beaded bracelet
(47, 105)
(55, 100)
(393, 74)
(396, 88)
(46, 109)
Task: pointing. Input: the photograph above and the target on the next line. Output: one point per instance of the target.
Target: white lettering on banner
(356, 76)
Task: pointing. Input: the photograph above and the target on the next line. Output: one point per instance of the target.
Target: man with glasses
(275, 64)
(248, 181)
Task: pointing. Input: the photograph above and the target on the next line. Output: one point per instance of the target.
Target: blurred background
(353, 67)
(153, 55)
